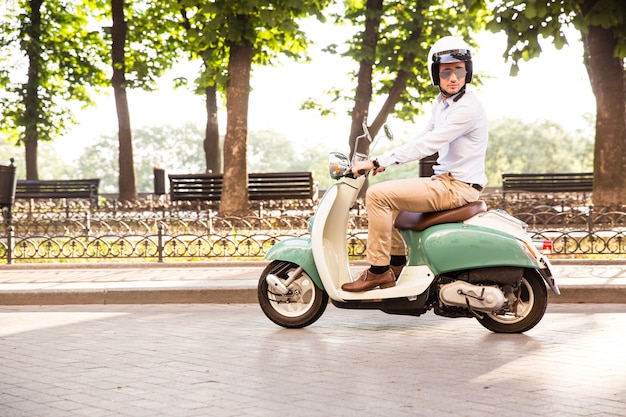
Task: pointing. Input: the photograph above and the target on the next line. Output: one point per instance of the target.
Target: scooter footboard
(411, 306)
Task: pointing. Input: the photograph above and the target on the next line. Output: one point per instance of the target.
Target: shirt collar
(450, 99)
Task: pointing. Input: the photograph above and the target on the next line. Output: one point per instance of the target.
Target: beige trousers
(384, 200)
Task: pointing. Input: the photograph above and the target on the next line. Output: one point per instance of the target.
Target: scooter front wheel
(529, 309)
(301, 306)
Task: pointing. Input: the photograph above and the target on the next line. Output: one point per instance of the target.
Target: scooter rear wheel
(302, 306)
(530, 308)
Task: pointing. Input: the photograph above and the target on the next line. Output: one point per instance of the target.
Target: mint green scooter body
(297, 250)
(458, 246)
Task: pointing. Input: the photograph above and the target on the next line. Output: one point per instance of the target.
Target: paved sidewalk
(217, 360)
(232, 282)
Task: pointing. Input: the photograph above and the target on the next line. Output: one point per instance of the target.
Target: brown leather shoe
(368, 281)
(397, 270)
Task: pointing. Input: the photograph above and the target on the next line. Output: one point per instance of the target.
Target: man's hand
(362, 167)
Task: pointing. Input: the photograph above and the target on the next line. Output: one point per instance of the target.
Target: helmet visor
(453, 55)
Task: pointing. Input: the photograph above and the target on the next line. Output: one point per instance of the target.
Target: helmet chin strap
(460, 94)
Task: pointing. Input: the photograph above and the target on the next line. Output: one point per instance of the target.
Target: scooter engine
(475, 297)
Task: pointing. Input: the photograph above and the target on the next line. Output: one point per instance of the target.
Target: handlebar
(340, 165)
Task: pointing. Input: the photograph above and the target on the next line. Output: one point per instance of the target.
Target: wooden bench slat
(261, 186)
(39, 189)
(548, 182)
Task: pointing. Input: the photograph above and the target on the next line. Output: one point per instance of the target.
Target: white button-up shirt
(458, 131)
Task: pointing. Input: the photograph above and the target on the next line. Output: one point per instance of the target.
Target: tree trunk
(606, 73)
(212, 148)
(31, 98)
(399, 84)
(398, 87)
(235, 186)
(127, 181)
(211, 144)
(363, 95)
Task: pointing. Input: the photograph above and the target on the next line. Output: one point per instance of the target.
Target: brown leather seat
(408, 220)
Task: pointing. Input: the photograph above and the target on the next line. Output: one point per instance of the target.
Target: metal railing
(167, 233)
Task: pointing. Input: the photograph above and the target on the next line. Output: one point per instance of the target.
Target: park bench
(266, 186)
(57, 189)
(547, 182)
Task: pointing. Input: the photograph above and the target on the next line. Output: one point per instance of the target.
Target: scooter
(465, 262)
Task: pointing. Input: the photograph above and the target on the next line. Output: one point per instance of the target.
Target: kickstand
(469, 307)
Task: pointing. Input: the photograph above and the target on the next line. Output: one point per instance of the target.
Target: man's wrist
(375, 163)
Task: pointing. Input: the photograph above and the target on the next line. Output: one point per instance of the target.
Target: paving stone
(229, 360)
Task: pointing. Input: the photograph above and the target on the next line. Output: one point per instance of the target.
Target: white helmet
(449, 49)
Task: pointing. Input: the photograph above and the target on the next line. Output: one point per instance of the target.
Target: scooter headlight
(338, 164)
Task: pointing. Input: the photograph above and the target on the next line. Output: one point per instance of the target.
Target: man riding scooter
(461, 259)
(457, 130)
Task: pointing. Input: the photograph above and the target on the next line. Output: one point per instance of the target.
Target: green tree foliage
(524, 21)
(602, 24)
(407, 31)
(154, 39)
(52, 55)
(269, 151)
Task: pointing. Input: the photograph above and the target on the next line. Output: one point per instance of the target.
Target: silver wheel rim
(298, 302)
(524, 307)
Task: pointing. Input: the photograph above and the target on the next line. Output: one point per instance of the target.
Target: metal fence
(162, 232)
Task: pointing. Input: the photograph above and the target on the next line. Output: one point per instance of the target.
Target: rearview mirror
(388, 132)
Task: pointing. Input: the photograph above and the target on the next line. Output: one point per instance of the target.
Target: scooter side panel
(299, 251)
(455, 246)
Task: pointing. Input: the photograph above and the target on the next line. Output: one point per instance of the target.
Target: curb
(130, 296)
(238, 292)
(588, 294)
(234, 264)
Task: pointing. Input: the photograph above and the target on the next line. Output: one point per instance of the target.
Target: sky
(553, 87)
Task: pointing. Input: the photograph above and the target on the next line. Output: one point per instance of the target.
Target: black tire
(531, 307)
(302, 306)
